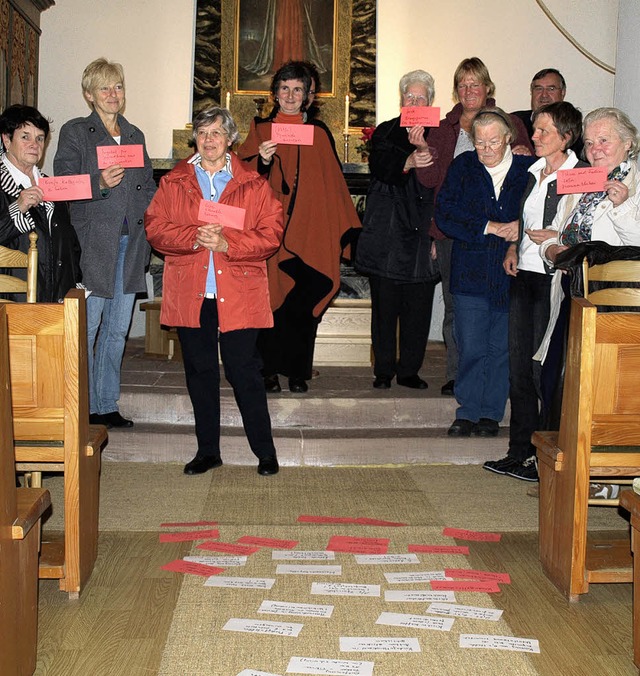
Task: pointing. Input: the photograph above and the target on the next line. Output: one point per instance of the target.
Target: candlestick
(229, 101)
(346, 146)
(346, 114)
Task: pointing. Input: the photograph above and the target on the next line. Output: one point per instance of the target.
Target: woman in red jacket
(215, 279)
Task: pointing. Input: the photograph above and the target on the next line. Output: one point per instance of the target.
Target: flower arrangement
(364, 147)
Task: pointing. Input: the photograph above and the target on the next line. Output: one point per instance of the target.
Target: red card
(59, 188)
(125, 156)
(180, 566)
(461, 585)
(223, 214)
(228, 548)
(478, 536)
(363, 521)
(187, 524)
(354, 545)
(583, 179)
(483, 575)
(267, 542)
(304, 518)
(292, 134)
(439, 549)
(423, 116)
(189, 535)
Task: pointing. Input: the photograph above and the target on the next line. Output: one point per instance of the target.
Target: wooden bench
(20, 512)
(159, 341)
(48, 362)
(599, 437)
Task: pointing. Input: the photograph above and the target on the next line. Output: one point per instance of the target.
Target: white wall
(153, 39)
(627, 89)
(514, 39)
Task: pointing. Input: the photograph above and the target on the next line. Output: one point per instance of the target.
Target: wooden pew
(599, 437)
(20, 512)
(48, 362)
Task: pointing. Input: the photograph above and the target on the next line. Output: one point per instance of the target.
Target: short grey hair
(209, 115)
(623, 126)
(420, 77)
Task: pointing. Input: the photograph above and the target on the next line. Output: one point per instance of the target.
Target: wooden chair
(20, 512)
(599, 437)
(615, 271)
(48, 362)
(11, 258)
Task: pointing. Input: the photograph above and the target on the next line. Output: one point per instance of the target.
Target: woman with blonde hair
(110, 228)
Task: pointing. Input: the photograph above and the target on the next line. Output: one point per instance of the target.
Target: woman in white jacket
(611, 216)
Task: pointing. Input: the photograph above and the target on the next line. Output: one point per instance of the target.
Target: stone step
(308, 447)
(370, 409)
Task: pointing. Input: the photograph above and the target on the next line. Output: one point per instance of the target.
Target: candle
(228, 101)
(346, 114)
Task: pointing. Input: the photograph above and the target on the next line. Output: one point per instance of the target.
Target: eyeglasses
(214, 134)
(415, 98)
(493, 145)
(538, 89)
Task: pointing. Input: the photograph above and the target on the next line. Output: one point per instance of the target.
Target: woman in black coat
(394, 246)
(24, 132)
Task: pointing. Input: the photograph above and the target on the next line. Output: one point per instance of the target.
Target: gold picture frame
(270, 32)
(246, 103)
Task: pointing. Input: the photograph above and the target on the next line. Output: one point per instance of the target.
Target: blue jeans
(108, 319)
(482, 385)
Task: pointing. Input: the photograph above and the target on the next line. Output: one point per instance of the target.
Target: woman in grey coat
(110, 228)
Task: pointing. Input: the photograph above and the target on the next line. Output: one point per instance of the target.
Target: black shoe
(501, 466)
(272, 384)
(202, 463)
(487, 428)
(382, 382)
(298, 386)
(268, 465)
(447, 389)
(113, 419)
(461, 428)
(415, 382)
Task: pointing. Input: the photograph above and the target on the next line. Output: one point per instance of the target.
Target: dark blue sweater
(465, 203)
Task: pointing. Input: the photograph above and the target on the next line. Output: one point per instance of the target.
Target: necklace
(545, 173)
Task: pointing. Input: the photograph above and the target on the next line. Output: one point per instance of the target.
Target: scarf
(581, 220)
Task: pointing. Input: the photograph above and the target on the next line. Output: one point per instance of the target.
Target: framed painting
(269, 33)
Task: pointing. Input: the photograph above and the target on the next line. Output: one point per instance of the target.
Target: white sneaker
(603, 491)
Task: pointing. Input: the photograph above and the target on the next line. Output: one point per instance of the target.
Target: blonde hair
(99, 73)
(475, 67)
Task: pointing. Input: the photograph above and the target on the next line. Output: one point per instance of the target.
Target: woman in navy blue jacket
(478, 208)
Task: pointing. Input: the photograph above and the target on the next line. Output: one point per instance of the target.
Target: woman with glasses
(306, 177)
(477, 207)
(394, 247)
(215, 283)
(473, 90)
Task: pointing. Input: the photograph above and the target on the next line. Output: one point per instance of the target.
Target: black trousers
(408, 304)
(242, 366)
(288, 347)
(528, 319)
